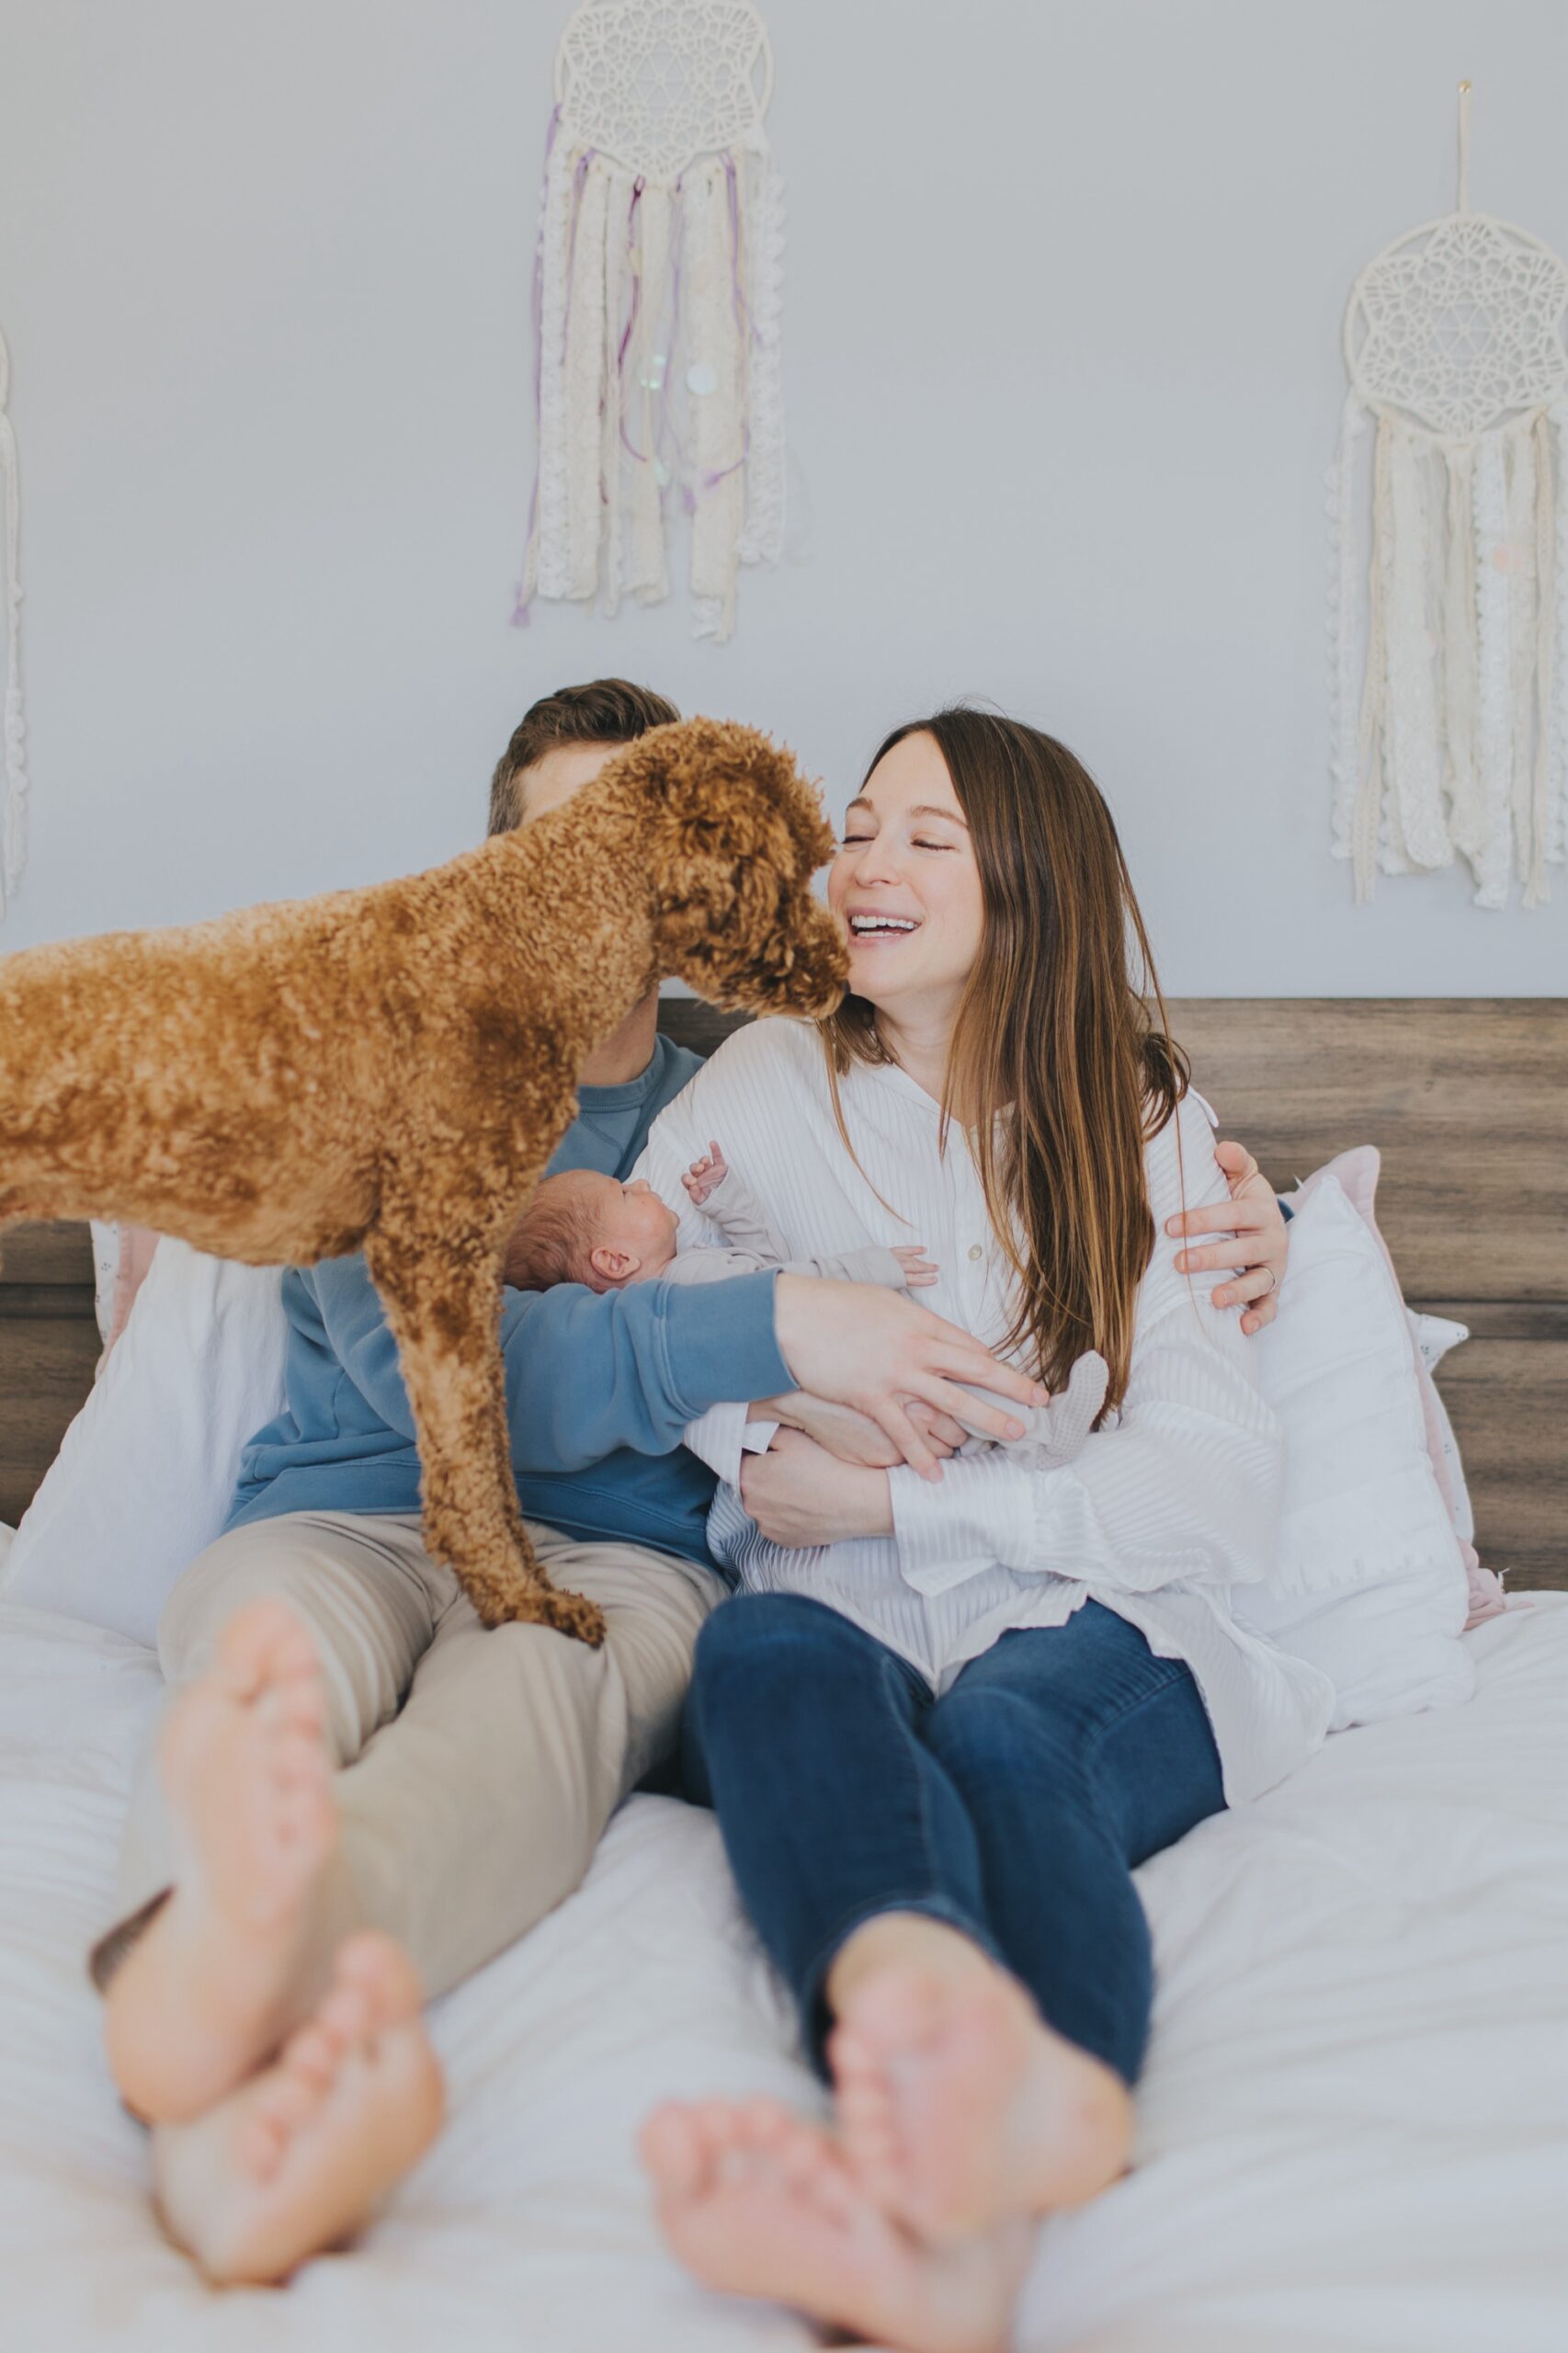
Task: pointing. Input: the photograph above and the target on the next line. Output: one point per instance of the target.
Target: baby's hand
(705, 1175)
(918, 1270)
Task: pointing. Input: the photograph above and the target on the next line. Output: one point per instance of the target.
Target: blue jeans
(1014, 1808)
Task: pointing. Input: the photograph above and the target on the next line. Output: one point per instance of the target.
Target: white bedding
(1355, 2121)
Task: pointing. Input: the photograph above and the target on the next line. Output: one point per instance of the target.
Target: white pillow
(1369, 1584)
(145, 1474)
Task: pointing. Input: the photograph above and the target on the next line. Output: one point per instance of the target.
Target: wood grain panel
(1467, 1100)
(46, 1371)
(1508, 1404)
(59, 1253)
(48, 1348)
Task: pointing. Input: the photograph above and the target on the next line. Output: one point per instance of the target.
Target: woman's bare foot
(756, 2203)
(958, 2107)
(200, 1997)
(295, 2160)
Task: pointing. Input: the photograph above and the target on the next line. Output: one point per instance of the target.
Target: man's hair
(606, 711)
(552, 1242)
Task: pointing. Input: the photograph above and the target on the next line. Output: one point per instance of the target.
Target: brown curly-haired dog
(391, 1069)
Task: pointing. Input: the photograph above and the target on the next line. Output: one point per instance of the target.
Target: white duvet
(1354, 2124)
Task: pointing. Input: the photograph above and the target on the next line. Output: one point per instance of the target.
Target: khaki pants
(477, 1770)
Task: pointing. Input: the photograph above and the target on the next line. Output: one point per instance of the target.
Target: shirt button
(974, 1250)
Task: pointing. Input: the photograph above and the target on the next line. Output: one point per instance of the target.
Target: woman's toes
(674, 2150)
(763, 2122)
(283, 2103)
(801, 2152)
(288, 2100)
(895, 2012)
(717, 2124)
(260, 2144)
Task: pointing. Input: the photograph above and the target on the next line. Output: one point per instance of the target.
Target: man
(280, 1918)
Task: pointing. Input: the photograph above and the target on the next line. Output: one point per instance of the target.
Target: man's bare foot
(959, 2107)
(756, 2203)
(295, 2160)
(200, 1997)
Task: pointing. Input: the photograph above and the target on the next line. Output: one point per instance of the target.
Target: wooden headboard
(1467, 1099)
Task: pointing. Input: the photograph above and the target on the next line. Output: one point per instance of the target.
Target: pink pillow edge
(137, 1243)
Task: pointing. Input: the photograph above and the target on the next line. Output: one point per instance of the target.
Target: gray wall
(1063, 294)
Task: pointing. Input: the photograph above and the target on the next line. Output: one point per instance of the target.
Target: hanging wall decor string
(656, 310)
(1452, 736)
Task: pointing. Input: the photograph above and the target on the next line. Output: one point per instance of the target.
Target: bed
(1354, 2129)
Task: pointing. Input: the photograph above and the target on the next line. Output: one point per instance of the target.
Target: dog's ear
(737, 836)
(721, 783)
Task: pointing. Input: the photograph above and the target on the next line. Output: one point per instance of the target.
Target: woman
(941, 1723)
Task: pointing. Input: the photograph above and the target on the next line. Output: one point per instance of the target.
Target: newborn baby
(584, 1228)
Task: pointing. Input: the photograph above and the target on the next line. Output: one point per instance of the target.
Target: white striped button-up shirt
(1156, 1516)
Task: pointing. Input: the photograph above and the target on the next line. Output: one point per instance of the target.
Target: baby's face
(632, 1222)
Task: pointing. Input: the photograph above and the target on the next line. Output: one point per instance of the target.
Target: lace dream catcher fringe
(656, 301)
(14, 798)
(1451, 731)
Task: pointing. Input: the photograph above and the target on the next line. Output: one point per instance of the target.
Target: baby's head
(584, 1228)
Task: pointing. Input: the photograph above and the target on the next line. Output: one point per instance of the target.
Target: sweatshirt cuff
(721, 1342)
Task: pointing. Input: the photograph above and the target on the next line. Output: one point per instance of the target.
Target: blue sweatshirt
(598, 1388)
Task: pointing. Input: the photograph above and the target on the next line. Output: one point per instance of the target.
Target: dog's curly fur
(391, 1069)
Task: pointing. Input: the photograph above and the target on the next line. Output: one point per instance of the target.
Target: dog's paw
(564, 1613)
(570, 1614)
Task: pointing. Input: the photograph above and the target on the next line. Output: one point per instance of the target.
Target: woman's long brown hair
(1054, 1033)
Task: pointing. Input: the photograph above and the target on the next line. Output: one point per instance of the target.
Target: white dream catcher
(14, 797)
(1454, 737)
(656, 299)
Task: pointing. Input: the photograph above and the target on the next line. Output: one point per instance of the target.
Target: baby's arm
(868, 1265)
(906, 1268)
(713, 1188)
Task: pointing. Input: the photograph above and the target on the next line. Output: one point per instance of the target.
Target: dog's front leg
(443, 1302)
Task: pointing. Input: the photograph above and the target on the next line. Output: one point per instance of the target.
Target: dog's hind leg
(443, 1302)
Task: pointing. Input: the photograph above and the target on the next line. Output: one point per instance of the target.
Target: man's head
(565, 739)
(583, 1228)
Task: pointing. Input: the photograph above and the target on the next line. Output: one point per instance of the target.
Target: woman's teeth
(880, 927)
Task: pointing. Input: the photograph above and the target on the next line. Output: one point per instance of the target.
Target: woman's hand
(854, 1437)
(799, 1494)
(1261, 1247)
(861, 1346)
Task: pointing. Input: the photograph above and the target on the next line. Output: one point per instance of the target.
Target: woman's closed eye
(860, 841)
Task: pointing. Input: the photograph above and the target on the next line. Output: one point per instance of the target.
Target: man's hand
(854, 1437)
(1261, 1247)
(859, 1344)
(798, 1494)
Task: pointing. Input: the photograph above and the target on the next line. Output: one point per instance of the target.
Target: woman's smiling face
(905, 885)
